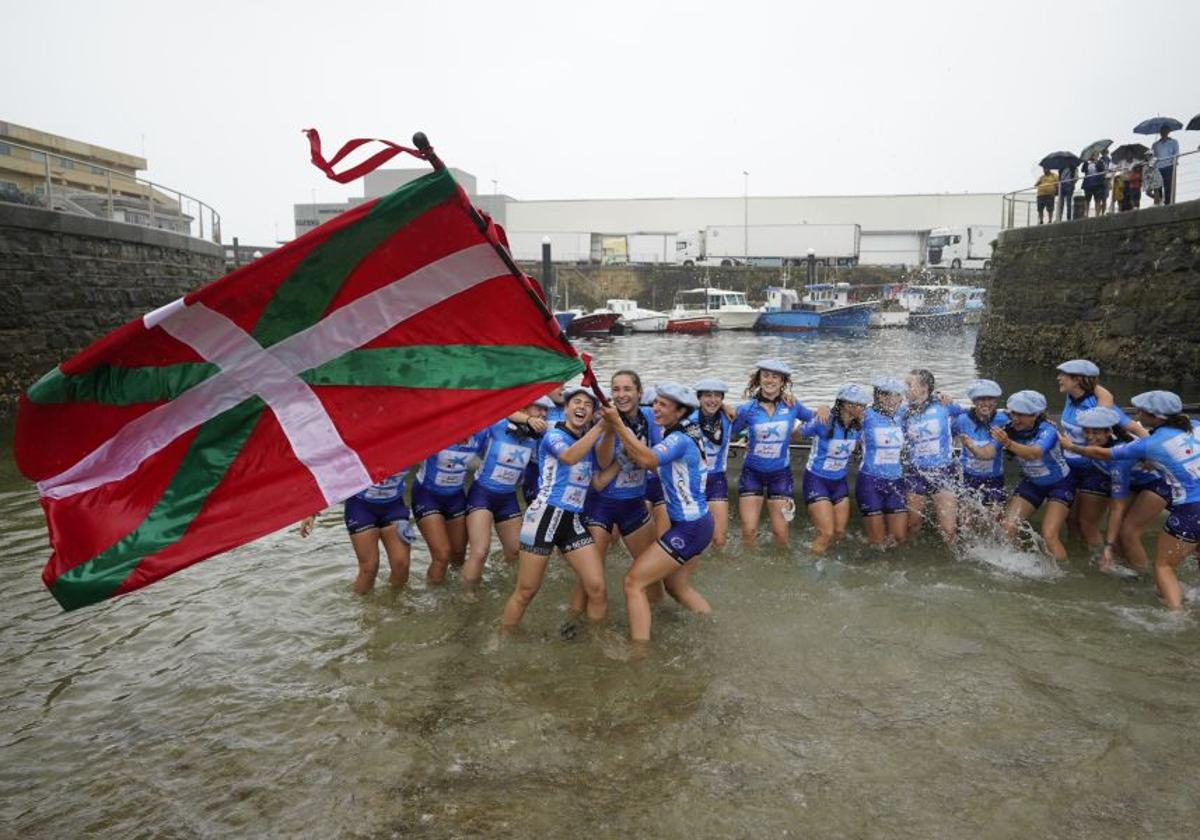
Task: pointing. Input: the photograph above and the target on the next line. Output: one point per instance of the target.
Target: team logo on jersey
(678, 543)
(772, 432)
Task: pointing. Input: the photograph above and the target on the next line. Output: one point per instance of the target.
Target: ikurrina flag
(360, 348)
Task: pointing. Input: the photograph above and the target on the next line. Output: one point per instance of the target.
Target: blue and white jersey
(769, 434)
(630, 481)
(556, 414)
(927, 431)
(716, 453)
(682, 472)
(1119, 476)
(1173, 453)
(1049, 467)
(443, 473)
(830, 455)
(507, 450)
(1069, 423)
(980, 435)
(563, 486)
(388, 490)
(883, 442)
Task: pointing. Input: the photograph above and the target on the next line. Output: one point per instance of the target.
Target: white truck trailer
(768, 245)
(969, 246)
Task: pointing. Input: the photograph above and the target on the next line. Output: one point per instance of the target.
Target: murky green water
(918, 694)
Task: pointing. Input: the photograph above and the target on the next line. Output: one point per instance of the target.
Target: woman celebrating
(1034, 441)
(508, 449)
(879, 490)
(770, 416)
(1173, 448)
(377, 515)
(679, 461)
(929, 454)
(715, 427)
(825, 490)
(440, 505)
(982, 460)
(553, 520)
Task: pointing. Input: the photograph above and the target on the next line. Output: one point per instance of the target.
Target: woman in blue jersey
(552, 412)
(440, 505)
(655, 501)
(879, 489)
(1173, 449)
(982, 460)
(826, 492)
(507, 450)
(1047, 478)
(715, 427)
(1077, 381)
(770, 417)
(554, 519)
(377, 515)
(930, 469)
(679, 461)
(1102, 427)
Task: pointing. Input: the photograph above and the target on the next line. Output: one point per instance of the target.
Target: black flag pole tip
(426, 148)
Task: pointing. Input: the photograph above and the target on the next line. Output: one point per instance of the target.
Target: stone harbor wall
(66, 280)
(1122, 290)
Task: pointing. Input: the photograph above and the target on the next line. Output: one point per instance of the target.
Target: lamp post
(547, 273)
(745, 216)
(812, 266)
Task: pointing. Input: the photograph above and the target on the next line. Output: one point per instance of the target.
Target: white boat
(976, 303)
(730, 308)
(636, 319)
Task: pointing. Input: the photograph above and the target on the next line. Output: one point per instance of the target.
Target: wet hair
(754, 386)
(637, 380)
(835, 419)
(1086, 383)
(973, 414)
(925, 377)
(1178, 421)
(877, 395)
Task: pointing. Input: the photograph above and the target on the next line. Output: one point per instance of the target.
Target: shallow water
(913, 694)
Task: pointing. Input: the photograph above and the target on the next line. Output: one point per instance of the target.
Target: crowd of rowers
(649, 468)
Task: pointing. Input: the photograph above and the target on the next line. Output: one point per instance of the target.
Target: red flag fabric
(360, 348)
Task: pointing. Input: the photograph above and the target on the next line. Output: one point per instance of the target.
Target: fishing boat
(730, 308)
(825, 306)
(694, 324)
(635, 319)
(889, 313)
(942, 309)
(595, 323)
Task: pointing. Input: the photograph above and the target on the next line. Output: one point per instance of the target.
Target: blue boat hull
(564, 319)
(798, 320)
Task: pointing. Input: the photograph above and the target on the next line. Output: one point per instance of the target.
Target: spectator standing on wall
(1166, 149)
(1094, 184)
(1152, 180)
(1132, 197)
(1118, 189)
(1047, 186)
(1066, 193)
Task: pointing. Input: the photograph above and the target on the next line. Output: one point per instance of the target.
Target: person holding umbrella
(1066, 193)
(1166, 149)
(1095, 188)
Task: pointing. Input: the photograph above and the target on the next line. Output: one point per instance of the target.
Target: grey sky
(620, 99)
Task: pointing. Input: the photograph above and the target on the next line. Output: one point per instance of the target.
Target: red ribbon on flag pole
(369, 165)
(590, 380)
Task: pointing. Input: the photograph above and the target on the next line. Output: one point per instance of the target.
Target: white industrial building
(893, 227)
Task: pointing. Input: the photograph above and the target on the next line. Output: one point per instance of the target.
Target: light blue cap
(648, 395)
(711, 383)
(854, 393)
(544, 402)
(1026, 402)
(983, 388)
(1158, 403)
(889, 384)
(681, 394)
(572, 390)
(1100, 417)
(774, 365)
(1079, 367)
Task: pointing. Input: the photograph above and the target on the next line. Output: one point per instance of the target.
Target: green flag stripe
(306, 293)
(111, 385)
(471, 366)
(214, 448)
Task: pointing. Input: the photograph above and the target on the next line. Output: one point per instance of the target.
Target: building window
(37, 157)
(66, 163)
(5, 149)
(95, 170)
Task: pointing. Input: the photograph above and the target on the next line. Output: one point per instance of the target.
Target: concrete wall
(1122, 290)
(66, 280)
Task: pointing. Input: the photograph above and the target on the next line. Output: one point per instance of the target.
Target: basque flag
(376, 339)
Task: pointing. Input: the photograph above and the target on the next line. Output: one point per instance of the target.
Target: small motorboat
(785, 312)
(730, 308)
(942, 309)
(565, 318)
(692, 324)
(595, 323)
(635, 319)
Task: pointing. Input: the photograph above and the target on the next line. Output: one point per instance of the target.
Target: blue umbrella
(1157, 124)
(1059, 160)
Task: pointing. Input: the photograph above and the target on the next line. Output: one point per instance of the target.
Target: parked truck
(768, 245)
(969, 246)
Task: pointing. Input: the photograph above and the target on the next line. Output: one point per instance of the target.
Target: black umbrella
(1059, 160)
(1157, 124)
(1135, 152)
(1194, 123)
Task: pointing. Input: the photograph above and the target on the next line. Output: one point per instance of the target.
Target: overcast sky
(614, 99)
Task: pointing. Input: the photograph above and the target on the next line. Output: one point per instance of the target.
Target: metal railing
(1019, 207)
(121, 197)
